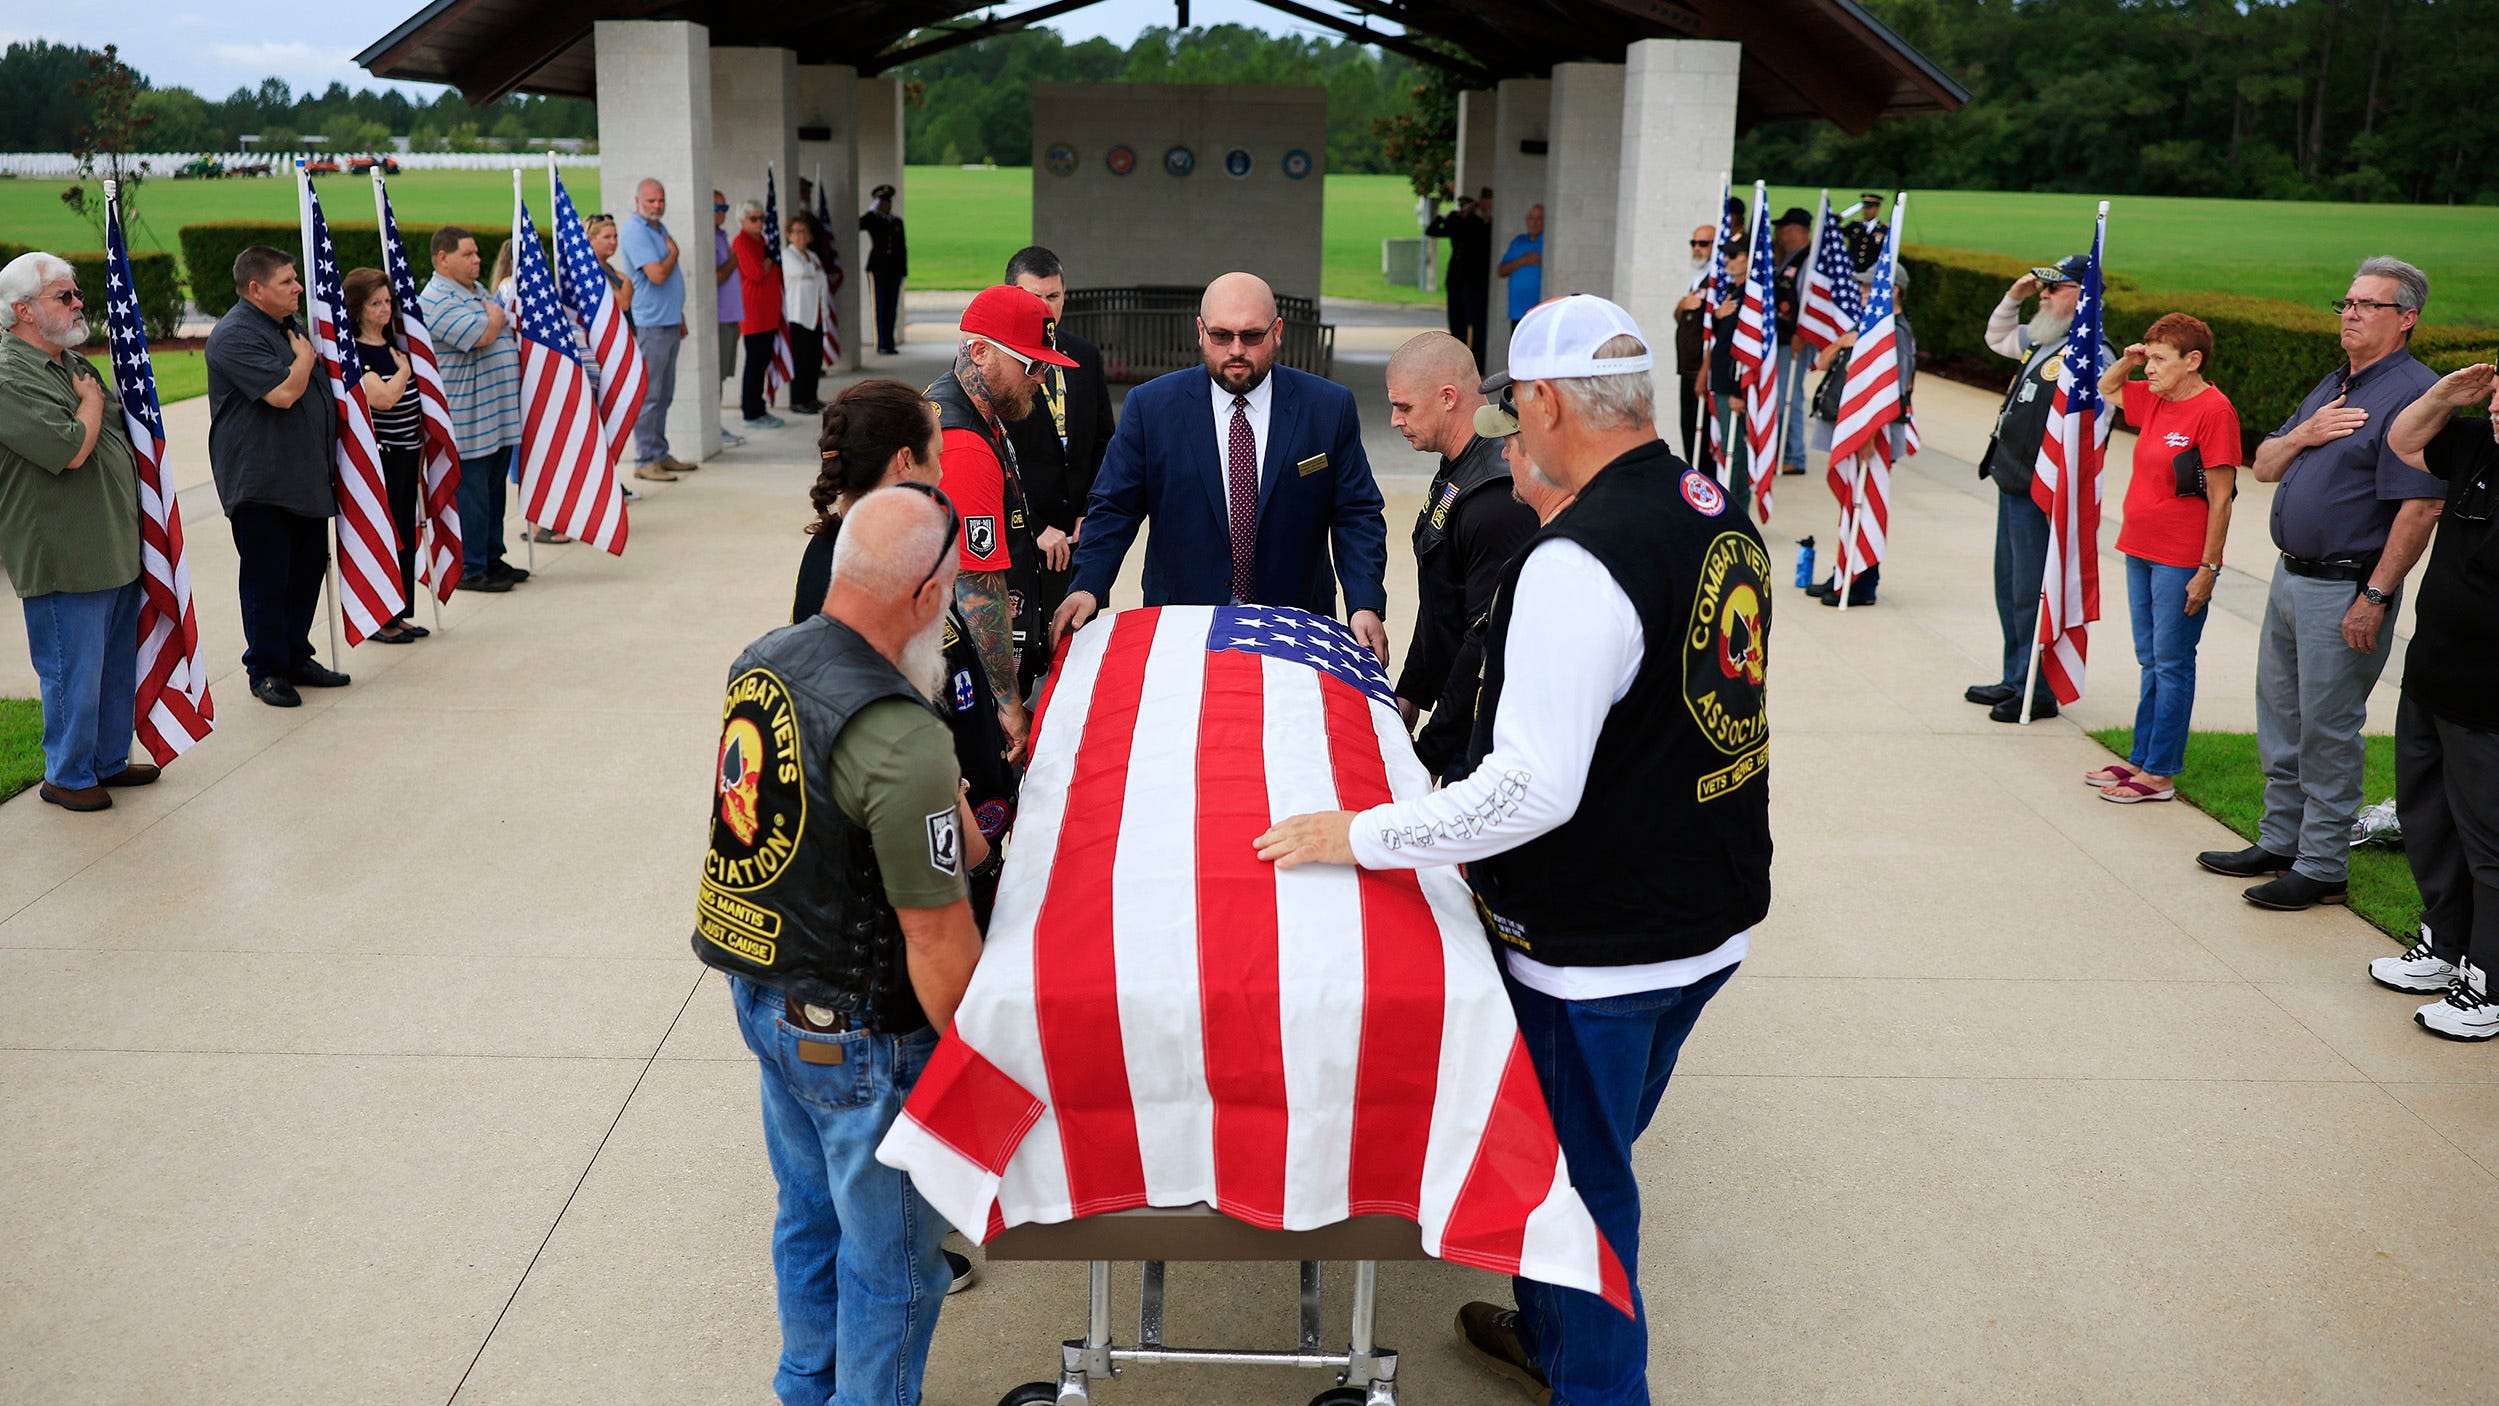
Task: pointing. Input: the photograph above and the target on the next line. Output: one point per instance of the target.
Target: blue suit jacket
(1162, 464)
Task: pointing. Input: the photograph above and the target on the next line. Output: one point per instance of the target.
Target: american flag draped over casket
(1160, 1018)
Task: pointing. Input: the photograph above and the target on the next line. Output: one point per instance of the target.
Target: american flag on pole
(783, 366)
(369, 593)
(174, 708)
(831, 254)
(590, 302)
(1869, 404)
(1160, 1018)
(2067, 488)
(1757, 357)
(1830, 303)
(568, 476)
(1713, 292)
(439, 565)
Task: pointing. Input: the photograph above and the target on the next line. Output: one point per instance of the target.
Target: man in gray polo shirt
(2350, 519)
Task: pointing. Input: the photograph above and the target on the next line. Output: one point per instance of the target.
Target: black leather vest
(2012, 457)
(955, 411)
(1668, 855)
(792, 897)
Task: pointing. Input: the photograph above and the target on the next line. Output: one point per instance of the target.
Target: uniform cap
(1016, 319)
(1558, 341)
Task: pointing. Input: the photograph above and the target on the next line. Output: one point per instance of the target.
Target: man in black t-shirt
(2447, 731)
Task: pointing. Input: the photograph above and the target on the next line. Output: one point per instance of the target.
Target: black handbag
(1834, 385)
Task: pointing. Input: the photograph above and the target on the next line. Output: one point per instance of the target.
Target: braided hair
(863, 426)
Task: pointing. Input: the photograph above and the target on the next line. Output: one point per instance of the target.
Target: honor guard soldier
(833, 900)
(1614, 818)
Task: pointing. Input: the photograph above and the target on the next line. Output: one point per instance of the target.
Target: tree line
(974, 103)
(2369, 100)
(40, 110)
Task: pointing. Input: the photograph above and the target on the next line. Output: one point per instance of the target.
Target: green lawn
(21, 745)
(180, 375)
(2224, 780)
(964, 223)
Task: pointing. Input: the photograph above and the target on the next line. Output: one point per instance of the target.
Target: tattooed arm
(982, 596)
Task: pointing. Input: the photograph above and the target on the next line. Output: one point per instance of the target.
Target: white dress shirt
(1573, 649)
(1261, 399)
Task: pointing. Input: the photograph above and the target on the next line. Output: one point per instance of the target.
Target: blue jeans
(2021, 569)
(85, 646)
(2165, 641)
(1604, 1064)
(1794, 361)
(481, 494)
(851, 1231)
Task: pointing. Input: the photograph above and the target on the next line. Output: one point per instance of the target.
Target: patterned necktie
(1241, 484)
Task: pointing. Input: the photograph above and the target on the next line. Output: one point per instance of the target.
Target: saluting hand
(2469, 386)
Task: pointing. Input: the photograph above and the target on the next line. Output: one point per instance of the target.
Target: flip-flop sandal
(2126, 793)
(548, 539)
(2109, 775)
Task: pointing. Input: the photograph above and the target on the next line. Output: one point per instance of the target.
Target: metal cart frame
(1366, 1373)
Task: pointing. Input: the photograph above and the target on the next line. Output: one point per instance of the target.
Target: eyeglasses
(1223, 337)
(2344, 305)
(954, 526)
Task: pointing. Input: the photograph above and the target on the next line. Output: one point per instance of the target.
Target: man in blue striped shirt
(481, 368)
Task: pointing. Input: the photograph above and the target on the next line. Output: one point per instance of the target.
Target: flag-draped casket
(1160, 1018)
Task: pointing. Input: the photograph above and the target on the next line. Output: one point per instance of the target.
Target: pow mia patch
(945, 843)
(981, 535)
(759, 802)
(1726, 658)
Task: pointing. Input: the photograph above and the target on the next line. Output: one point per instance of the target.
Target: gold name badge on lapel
(1311, 465)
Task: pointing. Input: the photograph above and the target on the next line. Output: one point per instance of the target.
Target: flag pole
(2030, 685)
(1856, 508)
(303, 221)
(529, 530)
(2099, 238)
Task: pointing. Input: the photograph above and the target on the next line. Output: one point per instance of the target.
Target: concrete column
(754, 123)
(1587, 121)
(880, 163)
(828, 101)
(655, 120)
(1677, 145)
(1521, 108)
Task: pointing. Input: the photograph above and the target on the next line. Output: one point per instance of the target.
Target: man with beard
(1689, 358)
(2011, 459)
(1464, 538)
(1250, 472)
(69, 534)
(1059, 446)
(833, 900)
(996, 378)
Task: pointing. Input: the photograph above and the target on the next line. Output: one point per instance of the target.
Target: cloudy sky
(216, 46)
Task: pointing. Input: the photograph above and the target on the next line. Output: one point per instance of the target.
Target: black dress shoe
(502, 570)
(2010, 710)
(1857, 599)
(310, 675)
(2295, 891)
(480, 581)
(1821, 589)
(277, 693)
(1988, 695)
(2253, 862)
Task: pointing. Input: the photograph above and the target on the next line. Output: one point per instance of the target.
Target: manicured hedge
(2267, 353)
(160, 287)
(209, 251)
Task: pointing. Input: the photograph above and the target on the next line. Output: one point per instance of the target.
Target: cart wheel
(1341, 1396)
(1032, 1394)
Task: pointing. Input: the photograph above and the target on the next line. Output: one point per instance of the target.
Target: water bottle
(1804, 562)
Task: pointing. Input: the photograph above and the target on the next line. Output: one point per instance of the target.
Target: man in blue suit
(1250, 471)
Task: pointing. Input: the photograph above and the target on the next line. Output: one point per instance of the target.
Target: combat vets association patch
(1726, 659)
(981, 535)
(1703, 493)
(945, 843)
(759, 811)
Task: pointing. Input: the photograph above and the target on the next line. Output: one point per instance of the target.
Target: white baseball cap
(1558, 341)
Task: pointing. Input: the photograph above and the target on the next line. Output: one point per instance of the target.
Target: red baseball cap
(1016, 319)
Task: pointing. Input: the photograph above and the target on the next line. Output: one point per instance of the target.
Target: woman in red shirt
(759, 284)
(2177, 518)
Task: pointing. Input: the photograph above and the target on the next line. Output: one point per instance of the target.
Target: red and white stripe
(568, 475)
(1161, 1019)
(439, 564)
(370, 593)
(622, 374)
(1757, 359)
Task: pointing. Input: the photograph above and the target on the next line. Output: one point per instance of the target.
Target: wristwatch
(2376, 597)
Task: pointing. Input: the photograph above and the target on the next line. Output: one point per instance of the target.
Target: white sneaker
(765, 421)
(731, 439)
(2416, 970)
(2467, 1013)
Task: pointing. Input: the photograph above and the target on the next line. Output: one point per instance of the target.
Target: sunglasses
(954, 528)
(1018, 357)
(1249, 338)
(1703, 243)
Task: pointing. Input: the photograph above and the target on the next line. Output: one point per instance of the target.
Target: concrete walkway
(363, 1060)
